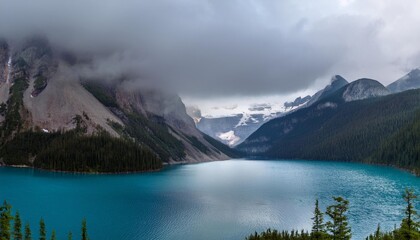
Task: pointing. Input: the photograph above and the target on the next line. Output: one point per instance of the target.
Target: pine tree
(17, 228)
(42, 231)
(318, 226)
(338, 226)
(53, 236)
(409, 227)
(28, 234)
(5, 219)
(84, 230)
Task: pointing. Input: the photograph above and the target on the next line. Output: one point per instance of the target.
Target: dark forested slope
(333, 129)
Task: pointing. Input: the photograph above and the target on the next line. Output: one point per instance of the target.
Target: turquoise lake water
(216, 200)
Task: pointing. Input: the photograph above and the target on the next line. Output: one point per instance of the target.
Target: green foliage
(5, 221)
(403, 149)
(42, 230)
(349, 131)
(197, 144)
(40, 83)
(151, 131)
(84, 230)
(154, 133)
(410, 228)
(12, 120)
(102, 93)
(276, 235)
(338, 226)
(5, 232)
(17, 228)
(3, 108)
(318, 226)
(28, 234)
(73, 151)
(53, 235)
(70, 236)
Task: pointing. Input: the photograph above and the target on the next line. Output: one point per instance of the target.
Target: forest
(337, 227)
(12, 227)
(379, 130)
(76, 152)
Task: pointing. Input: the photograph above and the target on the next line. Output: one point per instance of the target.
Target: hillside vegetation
(331, 129)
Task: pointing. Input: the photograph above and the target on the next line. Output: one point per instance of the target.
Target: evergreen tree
(17, 228)
(409, 227)
(84, 230)
(28, 234)
(42, 231)
(318, 226)
(338, 226)
(53, 236)
(5, 219)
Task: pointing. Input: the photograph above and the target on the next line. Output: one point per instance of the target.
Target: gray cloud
(213, 48)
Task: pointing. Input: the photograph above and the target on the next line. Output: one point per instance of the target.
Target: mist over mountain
(216, 49)
(45, 98)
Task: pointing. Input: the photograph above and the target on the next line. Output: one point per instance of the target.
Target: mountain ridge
(45, 98)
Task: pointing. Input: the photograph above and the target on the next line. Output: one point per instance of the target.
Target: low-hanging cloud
(225, 47)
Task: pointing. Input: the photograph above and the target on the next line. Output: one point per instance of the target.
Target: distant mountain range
(361, 121)
(233, 130)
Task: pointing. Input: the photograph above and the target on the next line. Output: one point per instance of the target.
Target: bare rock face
(172, 111)
(5, 72)
(47, 94)
(63, 99)
(409, 81)
(363, 89)
(4, 59)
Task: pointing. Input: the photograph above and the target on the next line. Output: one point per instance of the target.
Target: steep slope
(334, 129)
(402, 149)
(364, 88)
(409, 81)
(233, 130)
(46, 112)
(337, 82)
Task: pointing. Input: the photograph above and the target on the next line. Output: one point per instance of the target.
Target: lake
(215, 200)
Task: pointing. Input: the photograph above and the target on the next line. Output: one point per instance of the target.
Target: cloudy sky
(229, 52)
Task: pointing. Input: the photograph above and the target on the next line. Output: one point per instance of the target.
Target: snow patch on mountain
(246, 118)
(229, 137)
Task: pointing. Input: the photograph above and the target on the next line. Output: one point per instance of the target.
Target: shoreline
(166, 165)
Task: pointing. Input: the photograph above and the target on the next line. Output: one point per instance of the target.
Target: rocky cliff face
(364, 88)
(407, 82)
(45, 94)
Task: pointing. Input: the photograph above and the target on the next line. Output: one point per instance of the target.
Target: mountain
(336, 83)
(46, 110)
(339, 127)
(409, 81)
(297, 102)
(364, 88)
(233, 130)
(402, 149)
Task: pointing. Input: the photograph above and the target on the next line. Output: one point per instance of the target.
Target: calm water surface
(217, 200)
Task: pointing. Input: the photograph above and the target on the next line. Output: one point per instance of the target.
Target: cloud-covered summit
(226, 48)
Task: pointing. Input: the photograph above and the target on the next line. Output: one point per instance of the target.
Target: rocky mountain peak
(364, 88)
(407, 82)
